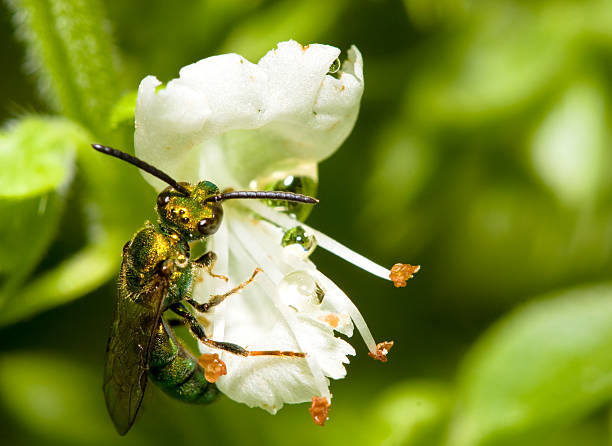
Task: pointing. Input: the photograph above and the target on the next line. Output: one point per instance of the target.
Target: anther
(319, 409)
(382, 349)
(401, 272)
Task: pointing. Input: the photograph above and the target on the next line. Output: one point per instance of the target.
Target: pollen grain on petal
(213, 367)
(401, 272)
(382, 349)
(332, 319)
(319, 409)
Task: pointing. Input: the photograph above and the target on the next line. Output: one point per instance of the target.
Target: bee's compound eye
(204, 225)
(163, 200)
(208, 226)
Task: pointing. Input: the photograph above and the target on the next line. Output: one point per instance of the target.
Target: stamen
(319, 410)
(343, 304)
(382, 349)
(250, 248)
(401, 272)
(323, 240)
(336, 297)
(213, 367)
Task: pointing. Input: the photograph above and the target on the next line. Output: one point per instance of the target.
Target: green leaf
(506, 59)
(542, 367)
(55, 397)
(590, 432)
(74, 277)
(410, 413)
(37, 158)
(425, 14)
(569, 148)
(123, 112)
(116, 198)
(403, 162)
(193, 31)
(69, 47)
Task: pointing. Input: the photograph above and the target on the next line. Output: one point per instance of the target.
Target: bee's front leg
(216, 299)
(207, 261)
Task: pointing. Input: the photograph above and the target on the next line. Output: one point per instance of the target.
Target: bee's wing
(127, 353)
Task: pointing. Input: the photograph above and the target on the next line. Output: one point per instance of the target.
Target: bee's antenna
(258, 195)
(142, 165)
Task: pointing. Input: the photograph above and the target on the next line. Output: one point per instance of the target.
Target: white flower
(245, 125)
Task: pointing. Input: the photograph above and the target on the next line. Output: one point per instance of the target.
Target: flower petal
(166, 119)
(258, 319)
(227, 119)
(240, 125)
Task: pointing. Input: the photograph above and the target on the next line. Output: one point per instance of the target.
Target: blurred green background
(481, 153)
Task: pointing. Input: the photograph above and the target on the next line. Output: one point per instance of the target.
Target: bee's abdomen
(177, 372)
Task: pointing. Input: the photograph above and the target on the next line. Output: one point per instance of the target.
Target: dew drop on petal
(299, 184)
(300, 291)
(296, 241)
(335, 66)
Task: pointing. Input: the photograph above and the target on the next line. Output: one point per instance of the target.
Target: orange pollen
(213, 367)
(382, 348)
(401, 272)
(319, 409)
(332, 319)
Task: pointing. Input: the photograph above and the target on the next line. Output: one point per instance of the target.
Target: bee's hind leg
(198, 332)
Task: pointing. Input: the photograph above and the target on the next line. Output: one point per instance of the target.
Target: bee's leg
(216, 299)
(175, 322)
(207, 261)
(198, 332)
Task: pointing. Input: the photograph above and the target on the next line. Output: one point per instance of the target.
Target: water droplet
(319, 294)
(298, 184)
(335, 66)
(297, 238)
(299, 290)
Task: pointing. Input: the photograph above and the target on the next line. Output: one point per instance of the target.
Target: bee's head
(190, 215)
(195, 212)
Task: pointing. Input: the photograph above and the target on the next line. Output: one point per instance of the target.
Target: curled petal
(229, 120)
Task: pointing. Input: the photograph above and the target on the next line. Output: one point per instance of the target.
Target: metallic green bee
(157, 275)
